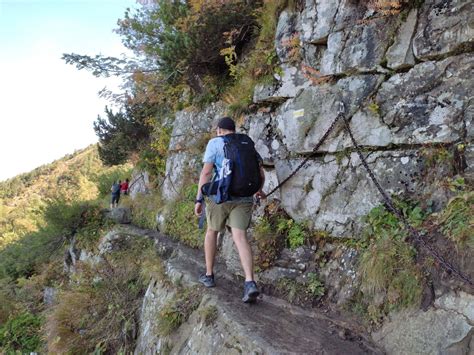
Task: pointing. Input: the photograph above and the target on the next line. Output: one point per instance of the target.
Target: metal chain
(321, 141)
(388, 201)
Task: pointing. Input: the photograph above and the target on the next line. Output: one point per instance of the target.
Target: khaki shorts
(232, 214)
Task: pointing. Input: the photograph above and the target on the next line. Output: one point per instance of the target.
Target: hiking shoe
(250, 292)
(207, 280)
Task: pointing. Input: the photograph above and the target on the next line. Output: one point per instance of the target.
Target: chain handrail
(388, 201)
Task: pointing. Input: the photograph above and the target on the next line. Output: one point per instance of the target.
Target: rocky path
(271, 326)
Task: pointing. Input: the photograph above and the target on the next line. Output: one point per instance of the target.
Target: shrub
(144, 208)
(99, 311)
(181, 223)
(105, 180)
(21, 333)
(390, 278)
(457, 219)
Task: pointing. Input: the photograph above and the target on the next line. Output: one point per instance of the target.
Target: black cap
(226, 123)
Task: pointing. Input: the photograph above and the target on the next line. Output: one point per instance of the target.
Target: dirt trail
(273, 324)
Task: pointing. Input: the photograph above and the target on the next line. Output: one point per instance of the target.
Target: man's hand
(198, 209)
(260, 194)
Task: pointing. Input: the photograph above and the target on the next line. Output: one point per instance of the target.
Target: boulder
(120, 215)
(435, 331)
(444, 28)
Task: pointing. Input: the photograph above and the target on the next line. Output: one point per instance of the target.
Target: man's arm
(204, 177)
(260, 193)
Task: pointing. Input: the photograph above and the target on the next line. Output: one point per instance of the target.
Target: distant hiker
(238, 176)
(124, 187)
(115, 189)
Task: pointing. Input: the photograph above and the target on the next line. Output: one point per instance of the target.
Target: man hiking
(236, 211)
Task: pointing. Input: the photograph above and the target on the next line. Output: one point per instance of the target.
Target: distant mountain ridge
(71, 178)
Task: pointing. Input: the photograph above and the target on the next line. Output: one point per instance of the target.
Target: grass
(181, 223)
(209, 314)
(457, 219)
(177, 310)
(98, 311)
(390, 277)
(144, 209)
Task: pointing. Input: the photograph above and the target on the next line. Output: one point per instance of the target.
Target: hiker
(124, 187)
(224, 208)
(115, 189)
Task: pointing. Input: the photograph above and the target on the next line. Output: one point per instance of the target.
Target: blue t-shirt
(214, 154)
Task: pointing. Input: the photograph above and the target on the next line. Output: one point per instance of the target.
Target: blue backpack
(240, 173)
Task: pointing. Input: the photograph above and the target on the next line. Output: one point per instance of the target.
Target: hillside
(362, 114)
(75, 177)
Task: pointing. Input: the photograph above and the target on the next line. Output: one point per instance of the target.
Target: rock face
(191, 131)
(405, 78)
(445, 27)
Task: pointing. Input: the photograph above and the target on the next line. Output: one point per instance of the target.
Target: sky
(47, 107)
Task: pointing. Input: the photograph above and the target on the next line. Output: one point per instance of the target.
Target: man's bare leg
(210, 243)
(245, 252)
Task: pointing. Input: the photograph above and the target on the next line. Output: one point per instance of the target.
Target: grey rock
(49, 296)
(287, 31)
(319, 18)
(191, 132)
(429, 103)
(400, 54)
(179, 166)
(291, 82)
(340, 276)
(333, 193)
(444, 28)
(190, 128)
(302, 121)
(121, 215)
(462, 303)
(358, 49)
(418, 332)
(139, 183)
(260, 130)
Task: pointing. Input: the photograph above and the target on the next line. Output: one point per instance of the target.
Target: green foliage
(100, 308)
(390, 278)
(120, 134)
(301, 292)
(145, 208)
(315, 286)
(153, 157)
(457, 219)
(178, 309)
(260, 64)
(72, 178)
(181, 222)
(105, 179)
(21, 333)
(374, 108)
(62, 221)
